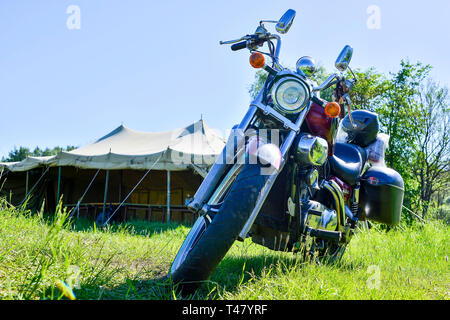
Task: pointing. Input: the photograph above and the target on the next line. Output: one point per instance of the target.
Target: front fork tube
(284, 150)
(220, 166)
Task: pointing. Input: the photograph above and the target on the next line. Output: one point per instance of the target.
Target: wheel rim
(197, 230)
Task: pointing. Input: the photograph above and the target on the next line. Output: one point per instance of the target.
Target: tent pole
(120, 190)
(120, 185)
(168, 195)
(34, 186)
(58, 193)
(106, 192)
(26, 184)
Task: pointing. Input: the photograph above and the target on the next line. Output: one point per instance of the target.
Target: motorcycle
(285, 178)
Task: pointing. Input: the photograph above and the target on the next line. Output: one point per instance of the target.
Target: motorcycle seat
(347, 162)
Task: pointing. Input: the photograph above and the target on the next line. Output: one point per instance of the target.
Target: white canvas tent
(196, 146)
(189, 149)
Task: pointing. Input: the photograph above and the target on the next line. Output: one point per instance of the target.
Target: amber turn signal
(257, 60)
(332, 109)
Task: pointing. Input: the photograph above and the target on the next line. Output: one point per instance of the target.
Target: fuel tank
(322, 126)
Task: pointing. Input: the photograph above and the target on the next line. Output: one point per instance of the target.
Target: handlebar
(248, 42)
(327, 83)
(239, 46)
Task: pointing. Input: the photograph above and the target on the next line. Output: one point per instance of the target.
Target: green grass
(129, 261)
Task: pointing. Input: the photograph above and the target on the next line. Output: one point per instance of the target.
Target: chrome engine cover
(311, 150)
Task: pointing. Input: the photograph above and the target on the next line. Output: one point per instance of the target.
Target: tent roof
(124, 148)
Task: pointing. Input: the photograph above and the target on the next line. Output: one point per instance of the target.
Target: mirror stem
(354, 77)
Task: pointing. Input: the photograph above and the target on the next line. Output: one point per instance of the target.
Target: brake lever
(235, 41)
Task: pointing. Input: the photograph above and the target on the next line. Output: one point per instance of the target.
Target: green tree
(368, 90)
(431, 161)
(400, 117)
(256, 86)
(22, 152)
(17, 154)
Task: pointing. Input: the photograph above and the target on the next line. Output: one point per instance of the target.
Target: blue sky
(158, 65)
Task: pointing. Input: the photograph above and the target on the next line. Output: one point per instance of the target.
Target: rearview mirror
(285, 22)
(344, 58)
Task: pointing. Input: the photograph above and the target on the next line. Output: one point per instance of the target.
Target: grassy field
(129, 261)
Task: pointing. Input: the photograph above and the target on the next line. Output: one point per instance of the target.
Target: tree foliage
(19, 154)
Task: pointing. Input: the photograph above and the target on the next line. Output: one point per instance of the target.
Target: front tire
(212, 243)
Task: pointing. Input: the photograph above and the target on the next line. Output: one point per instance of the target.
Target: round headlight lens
(289, 95)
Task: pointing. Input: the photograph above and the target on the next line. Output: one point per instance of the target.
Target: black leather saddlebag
(381, 198)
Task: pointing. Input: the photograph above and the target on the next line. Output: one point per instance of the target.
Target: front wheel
(213, 235)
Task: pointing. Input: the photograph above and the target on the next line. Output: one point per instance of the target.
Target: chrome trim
(226, 183)
(261, 23)
(340, 195)
(348, 213)
(235, 41)
(306, 66)
(326, 83)
(275, 87)
(269, 111)
(285, 22)
(277, 51)
(312, 179)
(311, 150)
(315, 207)
(339, 206)
(344, 58)
(326, 220)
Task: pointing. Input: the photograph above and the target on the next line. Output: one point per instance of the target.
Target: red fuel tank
(322, 126)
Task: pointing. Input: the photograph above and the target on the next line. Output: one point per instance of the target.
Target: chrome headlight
(290, 95)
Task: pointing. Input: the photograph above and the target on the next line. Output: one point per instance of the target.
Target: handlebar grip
(239, 46)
